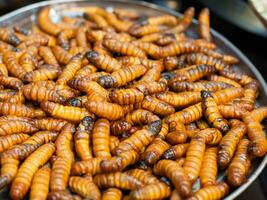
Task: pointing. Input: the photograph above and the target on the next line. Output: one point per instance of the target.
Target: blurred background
(238, 21)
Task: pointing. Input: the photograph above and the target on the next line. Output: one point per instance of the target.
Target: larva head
(91, 55)
(142, 165)
(106, 81)
(223, 159)
(257, 149)
(124, 125)
(15, 49)
(88, 122)
(113, 95)
(205, 94)
(169, 154)
(13, 39)
(4, 181)
(169, 35)
(155, 127)
(168, 75)
(225, 128)
(76, 102)
(143, 20)
(165, 180)
(236, 177)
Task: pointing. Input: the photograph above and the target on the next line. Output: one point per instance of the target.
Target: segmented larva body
(229, 143)
(124, 48)
(154, 151)
(122, 76)
(22, 181)
(211, 112)
(69, 113)
(126, 96)
(204, 24)
(209, 168)
(48, 56)
(69, 71)
(103, 62)
(258, 145)
(100, 138)
(107, 110)
(6, 142)
(238, 168)
(112, 194)
(152, 191)
(84, 187)
(176, 174)
(217, 191)
(14, 127)
(117, 179)
(40, 184)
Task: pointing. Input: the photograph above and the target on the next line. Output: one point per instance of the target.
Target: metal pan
(27, 16)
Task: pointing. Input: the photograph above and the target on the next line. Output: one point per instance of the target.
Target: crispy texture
(13, 66)
(22, 181)
(40, 94)
(204, 24)
(198, 86)
(211, 112)
(122, 76)
(154, 151)
(107, 110)
(239, 167)
(69, 71)
(209, 169)
(46, 24)
(124, 48)
(42, 74)
(13, 127)
(141, 116)
(217, 191)
(152, 191)
(27, 59)
(113, 143)
(140, 139)
(103, 62)
(119, 127)
(6, 142)
(84, 187)
(117, 179)
(69, 113)
(258, 145)
(60, 173)
(181, 99)
(157, 106)
(144, 176)
(229, 144)
(126, 96)
(176, 174)
(40, 184)
(120, 162)
(48, 56)
(134, 107)
(179, 136)
(194, 157)
(11, 82)
(100, 138)
(112, 194)
(175, 151)
(82, 139)
(49, 124)
(90, 166)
